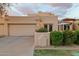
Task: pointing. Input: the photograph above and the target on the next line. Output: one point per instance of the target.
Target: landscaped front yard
(50, 52)
(57, 38)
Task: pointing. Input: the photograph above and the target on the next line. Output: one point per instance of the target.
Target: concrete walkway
(16, 46)
(74, 47)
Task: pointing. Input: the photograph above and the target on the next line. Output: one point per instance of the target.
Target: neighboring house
(26, 25)
(68, 24)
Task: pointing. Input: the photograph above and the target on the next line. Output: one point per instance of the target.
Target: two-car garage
(18, 30)
(18, 26)
(21, 29)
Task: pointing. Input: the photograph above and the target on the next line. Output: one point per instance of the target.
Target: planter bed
(42, 39)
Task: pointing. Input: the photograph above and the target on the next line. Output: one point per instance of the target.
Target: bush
(42, 30)
(77, 33)
(69, 37)
(56, 38)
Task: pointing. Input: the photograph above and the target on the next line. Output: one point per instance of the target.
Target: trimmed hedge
(69, 37)
(56, 38)
(64, 38)
(42, 30)
(77, 41)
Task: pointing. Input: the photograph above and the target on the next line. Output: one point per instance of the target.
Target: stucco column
(5, 27)
(60, 28)
(70, 27)
(48, 27)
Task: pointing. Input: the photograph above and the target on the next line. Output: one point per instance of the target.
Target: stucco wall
(51, 20)
(1, 20)
(1, 29)
(21, 19)
(27, 20)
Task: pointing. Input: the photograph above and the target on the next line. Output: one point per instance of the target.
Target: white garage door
(1, 29)
(21, 30)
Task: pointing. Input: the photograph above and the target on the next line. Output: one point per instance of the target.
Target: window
(48, 27)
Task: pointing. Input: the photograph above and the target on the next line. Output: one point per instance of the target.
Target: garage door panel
(21, 30)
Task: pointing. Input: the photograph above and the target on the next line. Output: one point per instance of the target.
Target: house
(68, 24)
(26, 25)
(77, 23)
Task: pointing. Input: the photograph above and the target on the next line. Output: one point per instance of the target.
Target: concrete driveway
(16, 46)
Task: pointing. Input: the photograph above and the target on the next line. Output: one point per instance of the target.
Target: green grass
(47, 52)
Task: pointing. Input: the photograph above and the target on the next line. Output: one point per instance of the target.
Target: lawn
(48, 52)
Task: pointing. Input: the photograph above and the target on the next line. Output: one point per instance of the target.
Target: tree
(3, 8)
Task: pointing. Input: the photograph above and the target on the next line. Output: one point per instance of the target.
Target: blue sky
(62, 10)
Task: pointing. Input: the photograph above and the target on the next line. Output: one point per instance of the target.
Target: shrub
(56, 38)
(77, 33)
(69, 37)
(42, 30)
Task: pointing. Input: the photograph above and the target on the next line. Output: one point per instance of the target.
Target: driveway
(16, 46)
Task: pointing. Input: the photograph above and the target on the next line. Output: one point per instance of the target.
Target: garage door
(21, 30)
(1, 29)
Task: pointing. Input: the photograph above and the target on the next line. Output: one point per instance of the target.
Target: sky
(62, 10)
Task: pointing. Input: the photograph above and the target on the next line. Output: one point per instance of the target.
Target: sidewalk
(60, 47)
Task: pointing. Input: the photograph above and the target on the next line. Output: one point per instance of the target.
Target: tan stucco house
(26, 25)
